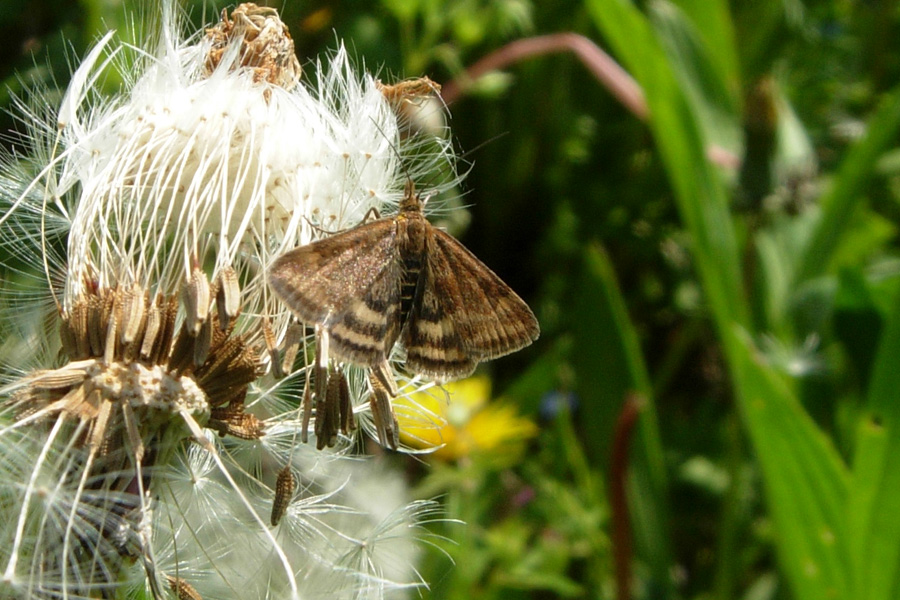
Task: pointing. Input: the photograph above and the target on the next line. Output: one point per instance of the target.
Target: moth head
(411, 200)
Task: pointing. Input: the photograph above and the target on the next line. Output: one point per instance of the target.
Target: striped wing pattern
(350, 285)
(465, 314)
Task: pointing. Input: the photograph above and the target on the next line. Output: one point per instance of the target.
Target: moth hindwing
(401, 278)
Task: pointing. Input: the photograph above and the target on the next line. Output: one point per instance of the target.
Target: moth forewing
(343, 284)
(490, 318)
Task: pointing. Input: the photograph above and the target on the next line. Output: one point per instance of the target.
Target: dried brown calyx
(409, 91)
(416, 102)
(265, 44)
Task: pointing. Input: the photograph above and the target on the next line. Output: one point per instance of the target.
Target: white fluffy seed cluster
(195, 166)
(186, 168)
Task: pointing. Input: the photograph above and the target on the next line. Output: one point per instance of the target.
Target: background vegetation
(725, 270)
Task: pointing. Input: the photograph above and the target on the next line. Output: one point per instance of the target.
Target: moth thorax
(412, 235)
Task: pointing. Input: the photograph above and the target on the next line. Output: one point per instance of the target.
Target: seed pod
(383, 413)
(292, 339)
(132, 313)
(228, 296)
(182, 589)
(284, 492)
(272, 349)
(154, 320)
(202, 343)
(195, 296)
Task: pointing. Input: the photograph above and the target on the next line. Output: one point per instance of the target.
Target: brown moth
(402, 278)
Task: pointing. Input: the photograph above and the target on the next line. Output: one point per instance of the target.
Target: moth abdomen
(409, 284)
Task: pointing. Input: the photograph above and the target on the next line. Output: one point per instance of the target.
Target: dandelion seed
(182, 589)
(284, 489)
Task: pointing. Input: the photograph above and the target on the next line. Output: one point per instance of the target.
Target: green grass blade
(698, 188)
(805, 480)
(874, 503)
(842, 199)
(694, 65)
(713, 21)
(806, 483)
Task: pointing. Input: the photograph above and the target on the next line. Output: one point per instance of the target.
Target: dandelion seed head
(191, 163)
(140, 438)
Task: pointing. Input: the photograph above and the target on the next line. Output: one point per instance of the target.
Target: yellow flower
(461, 422)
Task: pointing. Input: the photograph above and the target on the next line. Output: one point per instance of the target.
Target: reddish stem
(621, 524)
(601, 64)
(619, 83)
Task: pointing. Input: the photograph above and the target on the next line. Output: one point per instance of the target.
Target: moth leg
(371, 213)
(307, 409)
(382, 371)
(321, 374)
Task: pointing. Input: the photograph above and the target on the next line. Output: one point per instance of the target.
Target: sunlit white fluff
(186, 169)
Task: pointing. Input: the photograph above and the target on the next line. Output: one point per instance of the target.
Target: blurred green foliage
(751, 301)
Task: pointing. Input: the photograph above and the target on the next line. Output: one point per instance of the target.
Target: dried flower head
(140, 444)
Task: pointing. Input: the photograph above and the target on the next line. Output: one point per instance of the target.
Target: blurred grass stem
(618, 484)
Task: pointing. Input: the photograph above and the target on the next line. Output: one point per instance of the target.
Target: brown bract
(409, 91)
(416, 102)
(132, 387)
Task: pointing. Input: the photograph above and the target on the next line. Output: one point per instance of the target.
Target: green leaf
(805, 480)
(693, 64)
(712, 19)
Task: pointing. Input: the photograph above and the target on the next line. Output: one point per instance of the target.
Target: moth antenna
(465, 155)
(395, 150)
